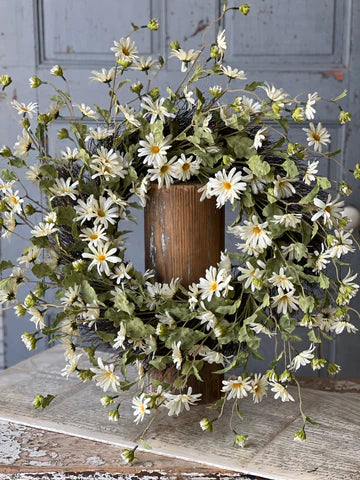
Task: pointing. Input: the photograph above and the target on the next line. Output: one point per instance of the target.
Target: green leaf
(106, 336)
(49, 171)
(4, 264)
(323, 183)
(65, 215)
(41, 270)
(105, 114)
(160, 363)
(290, 168)
(17, 162)
(308, 419)
(122, 303)
(283, 123)
(258, 166)
(310, 196)
(7, 175)
(307, 303)
(339, 97)
(87, 292)
(251, 87)
(241, 145)
(187, 336)
(313, 337)
(324, 281)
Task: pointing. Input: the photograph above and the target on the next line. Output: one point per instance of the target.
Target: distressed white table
(72, 438)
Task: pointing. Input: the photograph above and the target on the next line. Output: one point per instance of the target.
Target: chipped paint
(338, 75)
(163, 243)
(10, 447)
(95, 460)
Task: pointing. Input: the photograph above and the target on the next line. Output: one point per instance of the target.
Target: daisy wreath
(234, 139)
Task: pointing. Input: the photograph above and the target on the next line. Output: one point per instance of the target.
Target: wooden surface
(331, 452)
(183, 236)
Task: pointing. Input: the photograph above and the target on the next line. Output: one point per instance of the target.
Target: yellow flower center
(257, 230)
(227, 185)
(155, 149)
(101, 213)
(125, 51)
(316, 137)
(214, 286)
(108, 374)
(186, 166)
(164, 168)
(142, 408)
(101, 258)
(14, 200)
(94, 236)
(327, 209)
(237, 384)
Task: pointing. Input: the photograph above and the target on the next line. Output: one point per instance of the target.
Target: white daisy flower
(108, 163)
(281, 280)
(98, 133)
(156, 108)
(226, 186)
(154, 151)
(85, 210)
(176, 403)
(258, 328)
(340, 325)
(87, 111)
(257, 184)
(94, 235)
(36, 317)
(311, 171)
(13, 201)
(71, 366)
(103, 211)
(331, 211)
(176, 355)
(288, 220)
(100, 255)
(120, 337)
(125, 49)
(309, 110)
(254, 233)
(259, 386)
(186, 58)
(105, 76)
(30, 255)
(6, 186)
(246, 105)
(233, 72)
(64, 188)
(33, 174)
(281, 392)
(321, 259)
(259, 137)
(237, 388)
(24, 109)
(207, 318)
(145, 64)
(302, 359)
(211, 356)
(213, 283)
(283, 187)
(252, 275)
(23, 145)
(341, 244)
(69, 154)
(130, 115)
(276, 94)
(348, 289)
(188, 97)
(70, 296)
(285, 302)
(164, 172)
(205, 125)
(121, 272)
(105, 376)
(9, 224)
(221, 42)
(141, 407)
(317, 136)
(185, 168)
(44, 229)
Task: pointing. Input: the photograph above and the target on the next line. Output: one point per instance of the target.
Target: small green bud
(136, 87)
(215, 91)
(344, 117)
(357, 172)
(20, 310)
(342, 223)
(318, 363)
(5, 80)
(286, 376)
(345, 189)
(41, 402)
(206, 424)
(85, 374)
(276, 107)
(240, 440)
(3, 206)
(30, 300)
(153, 24)
(35, 82)
(29, 340)
(333, 368)
(298, 114)
(57, 71)
(128, 455)
(124, 63)
(219, 331)
(25, 122)
(5, 151)
(113, 415)
(214, 52)
(227, 160)
(44, 118)
(174, 45)
(300, 435)
(79, 265)
(107, 400)
(244, 8)
(1, 221)
(161, 330)
(154, 93)
(29, 209)
(272, 375)
(62, 133)
(40, 289)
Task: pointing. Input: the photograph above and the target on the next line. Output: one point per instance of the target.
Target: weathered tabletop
(55, 449)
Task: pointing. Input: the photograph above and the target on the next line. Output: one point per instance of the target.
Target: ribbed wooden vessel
(183, 237)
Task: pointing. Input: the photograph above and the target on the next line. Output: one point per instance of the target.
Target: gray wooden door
(299, 45)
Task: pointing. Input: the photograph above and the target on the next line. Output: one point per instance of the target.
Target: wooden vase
(183, 237)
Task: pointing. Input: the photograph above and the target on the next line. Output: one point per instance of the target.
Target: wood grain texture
(183, 236)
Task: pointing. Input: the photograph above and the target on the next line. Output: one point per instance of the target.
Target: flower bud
(345, 189)
(300, 435)
(219, 331)
(357, 172)
(40, 289)
(214, 52)
(175, 45)
(3, 206)
(153, 24)
(57, 71)
(285, 376)
(78, 265)
(215, 91)
(333, 368)
(298, 114)
(276, 107)
(62, 133)
(29, 209)
(128, 455)
(124, 63)
(344, 117)
(5, 80)
(84, 374)
(30, 300)
(44, 118)
(244, 8)
(25, 122)
(154, 93)
(20, 310)
(161, 330)
(240, 440)
(35, 82)
(113, 415)
(107, 400)
(136, 87)
(206, 424)
(5, 151)
(29, 340)
(41, 402)
(317, 363)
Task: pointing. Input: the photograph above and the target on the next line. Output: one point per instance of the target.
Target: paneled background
(301, 45)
